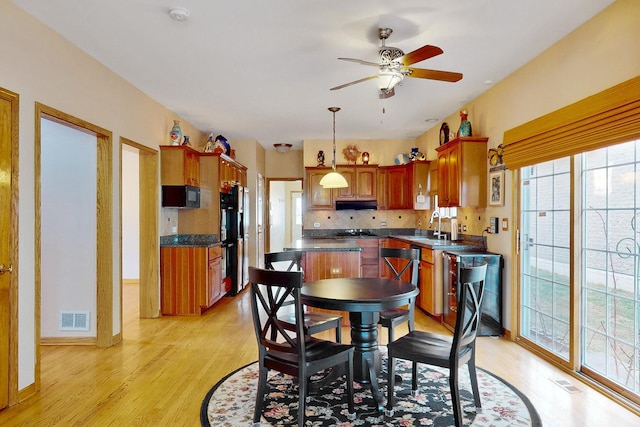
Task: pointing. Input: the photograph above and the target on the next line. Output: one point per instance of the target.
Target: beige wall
(381, 151)
(41, 66)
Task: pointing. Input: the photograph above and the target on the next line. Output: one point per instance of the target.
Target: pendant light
(333, 179)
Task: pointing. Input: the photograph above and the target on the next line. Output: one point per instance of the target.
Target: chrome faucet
(438, 232)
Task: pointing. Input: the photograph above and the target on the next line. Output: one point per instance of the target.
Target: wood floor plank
(163, 368)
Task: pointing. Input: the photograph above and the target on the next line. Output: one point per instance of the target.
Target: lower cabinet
(430, 281)
(190, 279)
(370, 264)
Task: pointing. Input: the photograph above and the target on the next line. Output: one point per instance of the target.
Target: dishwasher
(491, 306)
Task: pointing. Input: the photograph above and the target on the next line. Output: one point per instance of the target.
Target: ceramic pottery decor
(320, 158)
(465, 125)
(444, 133)
(208, 147)
(186, 141)
(176, 133)
(365, 158)
(221, 145)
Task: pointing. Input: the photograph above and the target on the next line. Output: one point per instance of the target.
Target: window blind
(606, 118)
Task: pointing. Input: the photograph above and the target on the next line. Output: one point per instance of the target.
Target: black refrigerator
(491, 306)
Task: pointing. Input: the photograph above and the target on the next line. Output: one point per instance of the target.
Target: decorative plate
(351, 153)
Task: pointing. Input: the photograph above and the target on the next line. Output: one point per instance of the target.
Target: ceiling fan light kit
(393, 66)
(333, 179)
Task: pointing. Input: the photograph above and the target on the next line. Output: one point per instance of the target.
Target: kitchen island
(329, 259)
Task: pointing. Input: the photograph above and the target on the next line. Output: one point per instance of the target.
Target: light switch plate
(505, 224)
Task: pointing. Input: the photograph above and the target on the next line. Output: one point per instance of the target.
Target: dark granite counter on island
(325, 245)
(190, 240)
(442, 244)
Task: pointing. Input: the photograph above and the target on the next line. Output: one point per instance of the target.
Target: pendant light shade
(333, 179)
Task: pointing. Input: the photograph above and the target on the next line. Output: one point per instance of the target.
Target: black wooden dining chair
(290, 352)
(314, 322)
(399, 261)
(444, 351)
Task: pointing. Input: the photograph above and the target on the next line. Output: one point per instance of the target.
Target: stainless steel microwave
(180, 196)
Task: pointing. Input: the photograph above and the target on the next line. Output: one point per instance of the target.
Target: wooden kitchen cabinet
(462, 172)
(402, 185)
(180, 165)
(370, 261)
(362, 180)
(190, 279)
(430, 281)
(317, 197)
(382, 188)
(330, 265)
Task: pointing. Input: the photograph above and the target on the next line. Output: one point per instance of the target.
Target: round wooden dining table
(363, 298)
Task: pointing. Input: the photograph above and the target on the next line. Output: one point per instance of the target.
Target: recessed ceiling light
(432, 120)
(179, 14)
(488, 82)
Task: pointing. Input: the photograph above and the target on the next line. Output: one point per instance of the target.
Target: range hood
(348, 205)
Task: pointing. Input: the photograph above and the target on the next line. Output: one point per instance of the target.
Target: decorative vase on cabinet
(176, 133)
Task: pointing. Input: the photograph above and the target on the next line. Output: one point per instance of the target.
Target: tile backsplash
(360, 219)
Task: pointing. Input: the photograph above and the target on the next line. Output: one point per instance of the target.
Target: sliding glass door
(579, 260)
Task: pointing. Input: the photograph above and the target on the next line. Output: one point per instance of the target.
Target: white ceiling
(262, 69)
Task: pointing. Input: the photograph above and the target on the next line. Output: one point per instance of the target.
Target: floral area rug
(231, 401)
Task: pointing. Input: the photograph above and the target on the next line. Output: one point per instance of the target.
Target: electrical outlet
(383, 223)
(464, 228)
(316, 225)
(493, 225)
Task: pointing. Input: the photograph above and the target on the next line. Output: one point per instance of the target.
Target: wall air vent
(74, 321)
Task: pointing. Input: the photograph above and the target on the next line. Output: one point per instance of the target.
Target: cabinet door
(349, 192)
(426, 299)
(366, 183)
(382, 188)
(449, 176)
(180, 165)
(214, 281)
(317, 197)
(397, 188)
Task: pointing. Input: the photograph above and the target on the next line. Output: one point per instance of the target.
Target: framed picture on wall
(496, 188)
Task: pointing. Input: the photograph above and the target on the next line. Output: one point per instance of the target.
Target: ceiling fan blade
(420, 54)
(360, 61)
(352, 83)
(446, 76)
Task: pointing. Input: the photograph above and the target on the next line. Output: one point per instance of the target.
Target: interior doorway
(284, 213)
(140, 254)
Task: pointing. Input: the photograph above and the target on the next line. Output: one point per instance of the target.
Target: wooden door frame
(12, 374)
(267, 222)
(104, 227)
(149, 246)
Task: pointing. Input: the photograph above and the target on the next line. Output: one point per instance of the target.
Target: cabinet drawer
(215, 252)
(426, 255)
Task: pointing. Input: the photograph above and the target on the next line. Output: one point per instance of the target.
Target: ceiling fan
(393, 66)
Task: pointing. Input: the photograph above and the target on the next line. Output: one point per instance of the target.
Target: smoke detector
(179, 14)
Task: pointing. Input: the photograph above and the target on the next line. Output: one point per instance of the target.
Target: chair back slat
(272, 292)
(471, 281)
(293, 257)
(407, 259)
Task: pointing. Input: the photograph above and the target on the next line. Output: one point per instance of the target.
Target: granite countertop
(325, 245)
(190, 240)
(441, 244)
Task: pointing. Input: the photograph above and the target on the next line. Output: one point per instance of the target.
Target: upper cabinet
(317, 197)
(403, 183)
(362, 180)
(180, 165)
(462, 172)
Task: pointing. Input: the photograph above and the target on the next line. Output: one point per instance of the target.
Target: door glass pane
(610, 264)
(545, 258)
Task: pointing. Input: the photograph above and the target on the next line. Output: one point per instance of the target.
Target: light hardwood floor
(160, 373)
